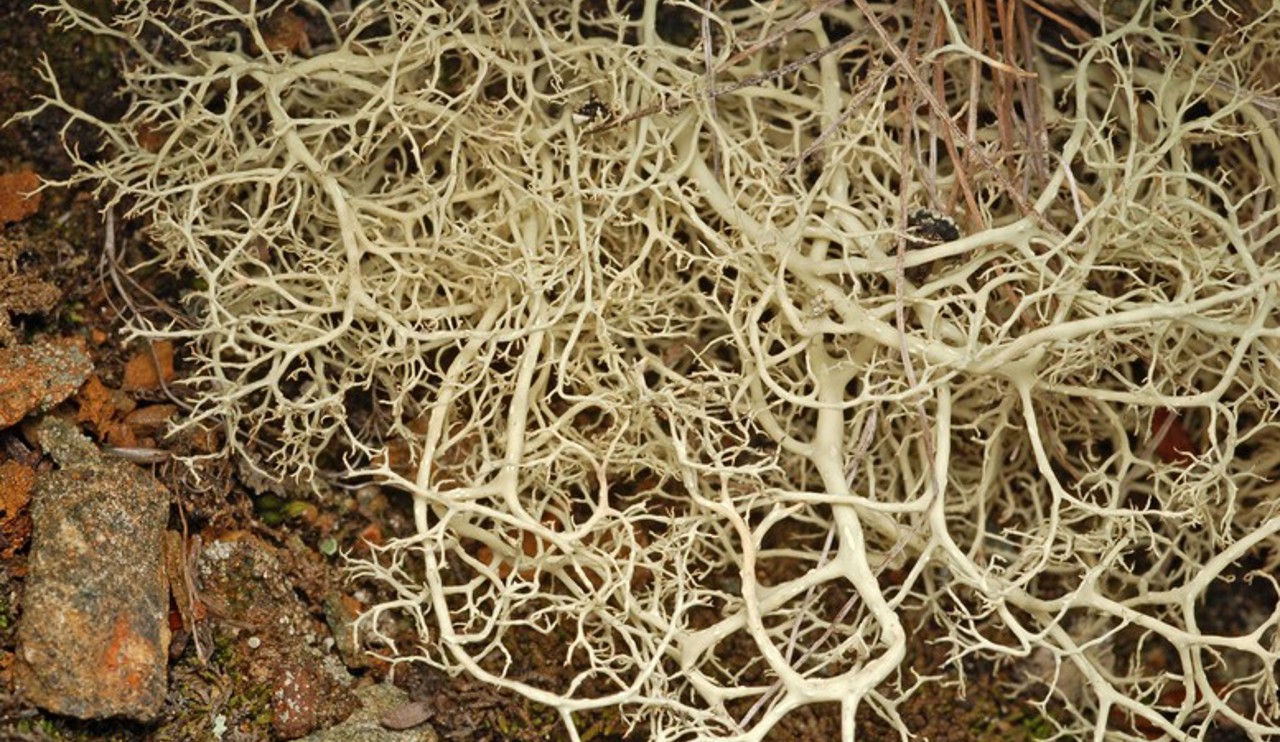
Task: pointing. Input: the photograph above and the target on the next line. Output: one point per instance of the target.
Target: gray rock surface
(364, 724)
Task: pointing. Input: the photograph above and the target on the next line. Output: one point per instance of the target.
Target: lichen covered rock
(94, 637)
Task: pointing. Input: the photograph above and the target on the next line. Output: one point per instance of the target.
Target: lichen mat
(627, 311)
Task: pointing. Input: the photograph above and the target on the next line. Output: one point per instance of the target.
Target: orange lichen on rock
(18, 199)
(102, 408)
(40, 375)
(93, 639)
(141, 372)
(96, 405)
(16, 482)
(151, 419)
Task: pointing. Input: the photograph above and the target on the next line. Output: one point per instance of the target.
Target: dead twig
(936, 105)
(776, 36)
(666, 105)
(872, 83)
(110, 265)
(707, 57)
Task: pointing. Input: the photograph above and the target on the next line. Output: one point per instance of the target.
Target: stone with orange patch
(93, 640)
(17, 197)
(150, 420)
(16, 483)
(102, 409)
(145, 371)
(39, 376)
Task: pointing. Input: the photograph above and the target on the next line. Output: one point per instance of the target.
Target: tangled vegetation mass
(732, 342)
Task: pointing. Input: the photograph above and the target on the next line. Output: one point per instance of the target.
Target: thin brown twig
(868, 86)
(948, 140)
(111, 262)
(707, 58)
(1037, 136)
(191, 553)
(776, 36)
(907, 168)
(970, 145)
(666, 105)
(1079, 33)
(974, 28)
(1003, 81)
(931, 179)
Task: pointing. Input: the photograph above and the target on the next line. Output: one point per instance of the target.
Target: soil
(281, 568)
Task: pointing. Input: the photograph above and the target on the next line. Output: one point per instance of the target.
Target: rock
(278, 646)
(376, 702)
(39, 376)
(150, 368)
(150, 420)
(340, 613)
(18, 199)
(17, 480)
(406, 716)
(93, 638)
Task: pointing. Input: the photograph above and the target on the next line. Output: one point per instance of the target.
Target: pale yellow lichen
(677, 393)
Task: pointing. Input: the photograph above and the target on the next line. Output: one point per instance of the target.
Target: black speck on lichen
(931, 227)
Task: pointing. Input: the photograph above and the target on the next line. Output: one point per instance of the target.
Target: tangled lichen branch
(626, 380)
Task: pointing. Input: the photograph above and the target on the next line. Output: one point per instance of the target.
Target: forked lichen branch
(694, 412)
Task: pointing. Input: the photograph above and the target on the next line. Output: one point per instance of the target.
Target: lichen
(665, 382)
